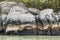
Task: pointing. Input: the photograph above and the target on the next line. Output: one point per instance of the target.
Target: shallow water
(16, 37)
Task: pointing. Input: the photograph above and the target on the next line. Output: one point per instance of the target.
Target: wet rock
(28, 32)
(49, 33)
(42, 32)
(56, 32)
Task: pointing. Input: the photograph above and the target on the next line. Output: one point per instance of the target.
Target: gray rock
(19, 9)
(34, 10)
(16, 16)
(49, 33)
(45, 15)
(15, 13)
(42, 32)
(4, 16)
(56, 32)
(6, 5)
(27, 18)
(45, 12)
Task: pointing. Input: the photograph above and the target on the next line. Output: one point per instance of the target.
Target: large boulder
(6, 5)
(45, 18)
(27, 21)
(15, 13)
(27, 18)
(45, 12)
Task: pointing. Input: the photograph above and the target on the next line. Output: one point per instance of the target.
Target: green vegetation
(0, 0)
(41, 4)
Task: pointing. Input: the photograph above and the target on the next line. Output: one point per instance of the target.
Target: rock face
(15, 13)
(27, 21)
(45, 12)
(19, 17)
(6, 5)
(48, 16)
(23, 18)
(19, 9)
(27, 18)
(45, 16)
